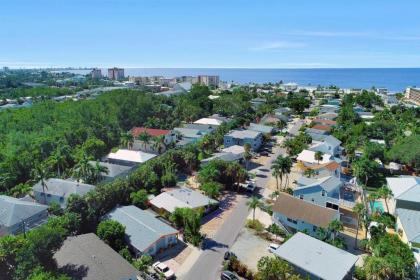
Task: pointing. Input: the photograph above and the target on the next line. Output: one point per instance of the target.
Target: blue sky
(212, 33)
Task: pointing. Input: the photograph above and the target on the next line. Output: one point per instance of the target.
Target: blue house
(241, 137)
(300, 215)
(323, 191)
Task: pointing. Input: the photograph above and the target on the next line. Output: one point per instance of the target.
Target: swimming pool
(377, 206)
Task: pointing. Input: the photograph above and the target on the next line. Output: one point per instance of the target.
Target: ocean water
(395, 79)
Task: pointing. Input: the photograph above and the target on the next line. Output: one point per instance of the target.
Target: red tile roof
(326, 122)
(322, 127)
(136, 131)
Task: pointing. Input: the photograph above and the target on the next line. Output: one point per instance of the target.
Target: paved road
(208, 265)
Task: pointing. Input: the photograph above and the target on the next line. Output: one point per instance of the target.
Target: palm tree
(287, 168)
(386, 194)
(127, 140)
(277, 173)
(334, 227)
(159, 143)
(318, 156)
(247, 154)
(41, 174)
(97, 172)
(83, 170)
(309, 173)
(360, 211)
(288, 144)
(145, 138)
(61, 157)
(253, 203)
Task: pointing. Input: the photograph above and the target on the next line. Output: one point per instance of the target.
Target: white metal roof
(130, 155)
(309, 156)
(316, 257)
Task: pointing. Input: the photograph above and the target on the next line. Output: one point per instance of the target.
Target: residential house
(257, 102)
(328, 116)
(299, 215)
(331, 168)
(182, 198)
(203, 128)
(321, 191)
(324, 122)
(264, 129)
(210, 121)
(319, 129)
(405, 205)
(145, 233)
(114, 171)
(241, 137)
(315, 259)
(169, 136)
(86, 257)
(129, 157)
(188, 135)
(18, 215)
(59, 190)
(328, 108)
(232, 153)
(328, 145)
(307, 157)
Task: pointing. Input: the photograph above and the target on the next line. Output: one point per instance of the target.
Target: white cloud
(277, 45)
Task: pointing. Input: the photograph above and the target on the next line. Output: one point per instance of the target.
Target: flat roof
(316, 257)
(241, 134)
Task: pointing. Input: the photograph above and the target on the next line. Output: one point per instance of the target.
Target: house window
(314, 228)
(323, 193)
(292, 221)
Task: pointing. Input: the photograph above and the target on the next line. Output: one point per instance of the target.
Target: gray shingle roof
(63, 188)
(114, 170)
(410, 220)
(14, 210)
(328, 183)
(260, 128)
(89, 258)
(242, 134)
(189, 132)
(142, 228)
(316, 257)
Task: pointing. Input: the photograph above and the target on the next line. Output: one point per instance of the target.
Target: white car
(272, 247)
(164, 269)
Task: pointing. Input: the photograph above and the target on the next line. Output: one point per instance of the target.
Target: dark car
(265, 154)
(229, 255)
(228, 275)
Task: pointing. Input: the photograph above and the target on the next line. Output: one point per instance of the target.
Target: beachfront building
(208, 80)
(241, 137)
(314, 259)
(116, 73)
(18, 215)
(96, 73)
(413, 95)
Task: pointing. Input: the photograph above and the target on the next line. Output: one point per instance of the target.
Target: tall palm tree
(61, 157)
(277, 173)
(385, 193)
(41, 174)
(318, 156)
(360, 211)
(97, 172)
(247, 154)
(334, 227)
(127, 140)
(145, 138)
(286, 166)
(159, 143)
(253, 203)
(83, 170)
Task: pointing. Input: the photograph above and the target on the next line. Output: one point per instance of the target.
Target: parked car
(228, 275)
(272, 247)
(229, 255)
(250, 187)
(163, 268)
(264, 153)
